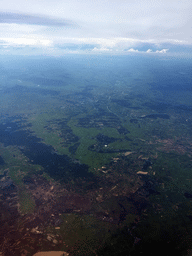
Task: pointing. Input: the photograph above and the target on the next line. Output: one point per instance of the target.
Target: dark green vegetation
(96, 155)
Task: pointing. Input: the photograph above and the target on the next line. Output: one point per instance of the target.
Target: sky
(56, 27)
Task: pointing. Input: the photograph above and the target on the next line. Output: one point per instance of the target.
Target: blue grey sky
(56, 27)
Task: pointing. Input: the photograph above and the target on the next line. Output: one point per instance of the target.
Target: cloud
(18, 42)
(84, 45)
(109, 26)
(132, 50)
(102, 49)
(117, 43)
(162, 51)
(148, 51)
(157, 51)
(113, 25)
(20, 18)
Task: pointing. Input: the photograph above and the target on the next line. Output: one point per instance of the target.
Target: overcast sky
(95, 26)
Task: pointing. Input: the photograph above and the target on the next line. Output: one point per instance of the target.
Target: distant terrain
(95, 155)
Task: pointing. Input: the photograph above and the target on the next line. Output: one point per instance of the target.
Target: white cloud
(114, 43)
(175, 41)
(105, 42)
(148, 51)
(101, 49)
(25, 42)
(114, 26)
(82, 45)
(162, 51)
(132, 50)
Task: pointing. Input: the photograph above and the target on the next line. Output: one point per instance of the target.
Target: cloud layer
(103, 26)
(19, 18)
(64, 45)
